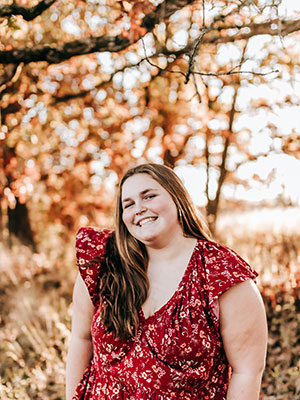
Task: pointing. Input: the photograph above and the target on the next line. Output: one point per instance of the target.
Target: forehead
(138, 183)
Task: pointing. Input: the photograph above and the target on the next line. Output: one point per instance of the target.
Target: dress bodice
(178, 351)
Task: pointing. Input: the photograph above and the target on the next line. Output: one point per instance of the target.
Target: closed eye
(128, 205)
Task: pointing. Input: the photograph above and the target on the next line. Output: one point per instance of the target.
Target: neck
(171, 249)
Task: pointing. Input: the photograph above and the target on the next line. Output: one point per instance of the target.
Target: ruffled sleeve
(90, 243)
(223, 269)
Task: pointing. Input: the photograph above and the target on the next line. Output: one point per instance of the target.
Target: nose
(140, 209)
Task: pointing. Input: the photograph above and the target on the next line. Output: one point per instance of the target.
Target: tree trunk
(1, 224)
(19, 225)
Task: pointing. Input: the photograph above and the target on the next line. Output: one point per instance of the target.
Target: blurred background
(91, 88)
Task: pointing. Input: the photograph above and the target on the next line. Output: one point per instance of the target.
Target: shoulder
(223, 268)
(91, 242)
(90, 245)
(219, 255)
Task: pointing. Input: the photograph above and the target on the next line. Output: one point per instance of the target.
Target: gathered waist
(141, 387)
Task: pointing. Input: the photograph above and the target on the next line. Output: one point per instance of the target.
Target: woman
(159, 311)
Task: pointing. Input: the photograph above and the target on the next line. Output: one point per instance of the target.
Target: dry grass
(270, 241)
(35, 298)
(35, 326)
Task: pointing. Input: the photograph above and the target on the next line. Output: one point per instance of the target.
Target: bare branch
(157, 66)
(256, 157)
(59, 53)
(196, 88)
(201, 76)
(255, 29)
(231, 72)
(194, 53)
(83, 93)
(163, 12)
(213, 205)
(204, 30)
(56, 54)
(235, 72)
(10, 76)
(28, 13)
(9, 72)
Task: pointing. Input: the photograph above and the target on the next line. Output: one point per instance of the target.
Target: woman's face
(149, 212)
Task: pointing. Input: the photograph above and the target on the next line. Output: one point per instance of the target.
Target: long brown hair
(123, 283)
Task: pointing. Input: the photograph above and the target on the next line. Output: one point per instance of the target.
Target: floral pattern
(178, 351)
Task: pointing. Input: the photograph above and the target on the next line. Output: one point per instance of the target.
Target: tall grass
(35, 308)
(270, 241)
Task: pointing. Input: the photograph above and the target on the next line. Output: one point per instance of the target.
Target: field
(36, 294)
(270, 241)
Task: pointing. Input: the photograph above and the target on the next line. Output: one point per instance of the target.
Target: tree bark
(1, 223)
(19, 225)
(213, 204)
(28, 13)
(18, 217)
(59, 53)
(56, 54)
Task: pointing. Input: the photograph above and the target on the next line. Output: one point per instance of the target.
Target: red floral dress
(178, 352)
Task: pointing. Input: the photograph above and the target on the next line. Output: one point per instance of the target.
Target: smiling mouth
(146, 221)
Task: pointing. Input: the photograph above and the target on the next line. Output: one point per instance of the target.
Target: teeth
(146, 220)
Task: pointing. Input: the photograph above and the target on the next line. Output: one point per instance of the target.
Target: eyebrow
(141, 193)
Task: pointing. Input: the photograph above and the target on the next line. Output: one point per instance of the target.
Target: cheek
(126, 218)
(172, 212)
(168, 207)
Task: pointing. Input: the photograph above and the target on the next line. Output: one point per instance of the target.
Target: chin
(145, 237)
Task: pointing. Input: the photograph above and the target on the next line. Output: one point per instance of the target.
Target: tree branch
(64, 51)
(232, 114)
(194, 53)
(248, 31)
(28, 13)
(213, 36)
(8, 74)
(257, 157)
(189, 71)
(83, 93)
(196, 88)
(213, 204)
(275, 71)
(59, 53)
(204, 30)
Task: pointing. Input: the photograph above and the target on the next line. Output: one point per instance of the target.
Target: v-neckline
(178, 289)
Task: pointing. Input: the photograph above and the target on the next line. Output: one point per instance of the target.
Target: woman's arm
(244, 333)
(80, 350)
